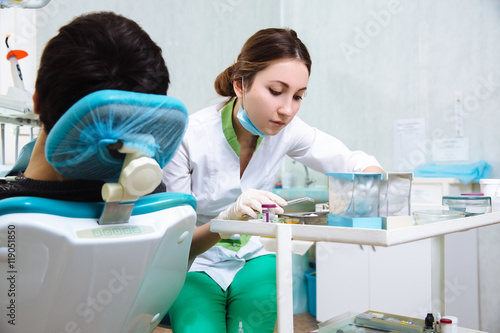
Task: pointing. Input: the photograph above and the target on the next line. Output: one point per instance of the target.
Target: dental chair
(100, 267)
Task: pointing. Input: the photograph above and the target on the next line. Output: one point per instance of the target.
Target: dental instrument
(18, 91)
(295, 201)
(13, 56)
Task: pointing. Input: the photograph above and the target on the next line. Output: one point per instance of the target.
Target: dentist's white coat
(207, 167)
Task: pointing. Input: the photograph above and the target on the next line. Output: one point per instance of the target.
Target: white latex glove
(249, 204)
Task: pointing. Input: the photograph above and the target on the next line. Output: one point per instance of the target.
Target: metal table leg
(17, 143)
(284, 277)
(438, 275)
(2, 130)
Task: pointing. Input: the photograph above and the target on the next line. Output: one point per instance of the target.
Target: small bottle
(437, 327)
(240, 330)
(268, 214)
(429, 323)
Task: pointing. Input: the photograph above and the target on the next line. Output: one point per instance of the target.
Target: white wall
(374, 62)
(379, 61)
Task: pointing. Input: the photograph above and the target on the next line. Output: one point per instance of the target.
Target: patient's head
(96, 51)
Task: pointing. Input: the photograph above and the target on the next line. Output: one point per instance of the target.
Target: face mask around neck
(245, 119)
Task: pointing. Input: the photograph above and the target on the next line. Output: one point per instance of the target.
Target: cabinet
(426, 193)
(359, 277)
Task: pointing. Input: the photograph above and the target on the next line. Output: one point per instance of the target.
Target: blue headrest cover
(77, 145)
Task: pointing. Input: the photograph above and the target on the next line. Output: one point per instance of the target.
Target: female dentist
(228, 161)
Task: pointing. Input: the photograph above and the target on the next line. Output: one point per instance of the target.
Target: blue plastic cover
(77, 145)
(466, 173)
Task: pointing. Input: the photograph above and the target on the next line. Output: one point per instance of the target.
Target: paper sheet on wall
(450, 150)
(409, 144)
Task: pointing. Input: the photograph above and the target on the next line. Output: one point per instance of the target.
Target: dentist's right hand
(249, 204)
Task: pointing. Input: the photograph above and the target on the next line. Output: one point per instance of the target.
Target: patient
(95, 51)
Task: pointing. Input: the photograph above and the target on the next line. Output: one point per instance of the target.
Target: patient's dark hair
(97, 51)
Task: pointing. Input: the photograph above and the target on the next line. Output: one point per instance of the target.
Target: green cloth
(228, 129)
(234, 244)
(203, 306)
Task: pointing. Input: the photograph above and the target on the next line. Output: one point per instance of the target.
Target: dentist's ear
(36, 104)
(238, 88)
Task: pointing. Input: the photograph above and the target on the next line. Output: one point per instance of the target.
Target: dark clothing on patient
(70, 190)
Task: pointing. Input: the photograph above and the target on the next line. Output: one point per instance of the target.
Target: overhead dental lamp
(31, 4)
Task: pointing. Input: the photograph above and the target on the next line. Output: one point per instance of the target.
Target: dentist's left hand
(249, 204)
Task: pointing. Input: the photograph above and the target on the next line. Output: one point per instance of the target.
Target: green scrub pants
(202, 305)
